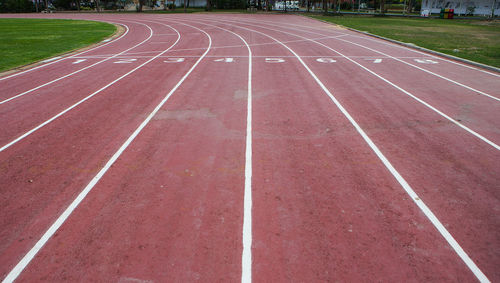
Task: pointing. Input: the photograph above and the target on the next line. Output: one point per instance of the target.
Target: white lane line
(420, 203)
(229, 46)
(78, 71)
(381, 41)
(442, 114)
(164, 34)
(375, 58)
(423, 53)
(83, 100)
(422, 69)
(402, 61)
(246, 255)
(14, 273)
(78, 54)
(51, 59)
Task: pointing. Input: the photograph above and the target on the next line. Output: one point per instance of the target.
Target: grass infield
(475, 40)
(24, 41)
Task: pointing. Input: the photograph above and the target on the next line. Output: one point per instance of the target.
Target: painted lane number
(174, 60)
(125, 61)
(225, 60)
(326, 60)
(425, 61)
(275, 60)
(78, 61)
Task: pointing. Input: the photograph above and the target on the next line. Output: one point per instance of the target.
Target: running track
(265, 148)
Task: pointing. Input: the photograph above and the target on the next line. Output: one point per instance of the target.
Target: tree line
(23, 6)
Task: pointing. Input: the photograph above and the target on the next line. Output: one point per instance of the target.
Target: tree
(141, 3)
(17, 6)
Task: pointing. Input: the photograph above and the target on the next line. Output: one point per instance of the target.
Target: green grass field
(476, 40)
(24, 41)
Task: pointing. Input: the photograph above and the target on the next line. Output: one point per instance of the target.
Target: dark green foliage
(345, 6)
(62, 4)
(16, 6)
(230, 4)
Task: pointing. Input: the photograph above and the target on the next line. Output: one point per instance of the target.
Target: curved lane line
(418, 201)
(246, 256)
(16, 271)
(404, 62)
(390, 44)
(64, 58)
(78, 71)
(479, 136)
(85, 99)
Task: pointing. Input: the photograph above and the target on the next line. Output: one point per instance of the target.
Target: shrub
(345, 6)
(16, 6)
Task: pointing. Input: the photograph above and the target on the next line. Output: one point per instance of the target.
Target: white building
(463, 7)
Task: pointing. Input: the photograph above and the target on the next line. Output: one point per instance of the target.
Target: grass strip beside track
(24, 41)
(475, 40)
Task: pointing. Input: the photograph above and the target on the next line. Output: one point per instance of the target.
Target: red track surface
(326, 204)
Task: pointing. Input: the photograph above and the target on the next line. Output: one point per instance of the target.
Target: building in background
(463, 7)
